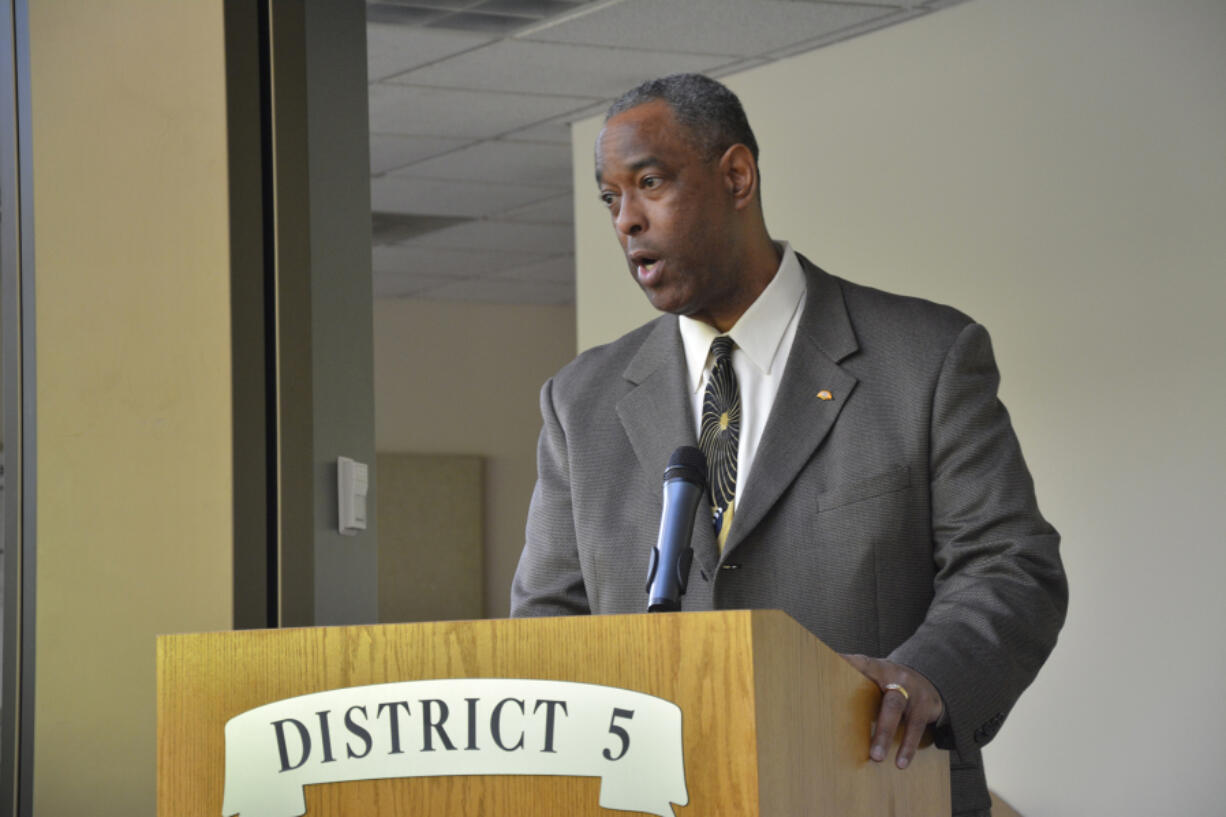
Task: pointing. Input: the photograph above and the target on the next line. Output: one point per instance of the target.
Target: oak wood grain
(774, 723)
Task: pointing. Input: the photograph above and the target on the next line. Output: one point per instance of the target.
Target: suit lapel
(656, 415)
(799, 419)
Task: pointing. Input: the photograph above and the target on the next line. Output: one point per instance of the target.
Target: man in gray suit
(880, 495)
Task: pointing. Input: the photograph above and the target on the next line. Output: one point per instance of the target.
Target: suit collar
(656, 416)
(825, 320)
(801, 416)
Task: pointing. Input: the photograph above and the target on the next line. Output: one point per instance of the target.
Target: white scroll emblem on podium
(465, 726)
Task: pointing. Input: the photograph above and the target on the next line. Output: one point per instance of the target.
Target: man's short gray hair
(712, 114)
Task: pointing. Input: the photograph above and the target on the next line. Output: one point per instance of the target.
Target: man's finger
(910, 740)
(893, 704)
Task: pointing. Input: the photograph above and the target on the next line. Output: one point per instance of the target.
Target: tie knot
(721, 347)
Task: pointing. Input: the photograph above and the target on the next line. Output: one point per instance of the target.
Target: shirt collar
(759, 331)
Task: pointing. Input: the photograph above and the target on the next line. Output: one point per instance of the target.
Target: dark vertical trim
(28, 419)
(270, 258)
(292, 393)
(9, 326)
(252, 333)
(17, 283)
(272, 459)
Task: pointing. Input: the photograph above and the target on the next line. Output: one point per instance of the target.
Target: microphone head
(687, 463)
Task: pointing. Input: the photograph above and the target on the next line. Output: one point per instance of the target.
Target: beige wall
(133, 436)
(1058, 170)
(454, 378)
(431, 537)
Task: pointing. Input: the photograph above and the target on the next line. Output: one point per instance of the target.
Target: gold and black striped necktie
(720, 434)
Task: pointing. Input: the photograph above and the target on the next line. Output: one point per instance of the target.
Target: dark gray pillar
(324, 318)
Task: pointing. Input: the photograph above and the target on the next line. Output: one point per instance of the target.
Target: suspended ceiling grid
(470, 109)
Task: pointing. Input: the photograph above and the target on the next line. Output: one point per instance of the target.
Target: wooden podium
(772, 721)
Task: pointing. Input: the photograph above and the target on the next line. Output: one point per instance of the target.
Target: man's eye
(651, 181)
(607, 199)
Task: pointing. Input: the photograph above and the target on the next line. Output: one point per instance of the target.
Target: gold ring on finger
(899, 688)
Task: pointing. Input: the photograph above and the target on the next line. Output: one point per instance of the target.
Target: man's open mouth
(646, 266)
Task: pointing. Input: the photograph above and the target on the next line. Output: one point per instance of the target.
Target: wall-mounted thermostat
(351, 483)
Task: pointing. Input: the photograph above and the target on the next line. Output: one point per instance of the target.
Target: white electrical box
(351, 483)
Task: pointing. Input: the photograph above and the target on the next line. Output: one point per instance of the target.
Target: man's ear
(740, 173)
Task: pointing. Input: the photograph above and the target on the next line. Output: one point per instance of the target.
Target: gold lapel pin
(824, 395)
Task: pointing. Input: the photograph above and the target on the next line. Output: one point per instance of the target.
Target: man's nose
(630, 219)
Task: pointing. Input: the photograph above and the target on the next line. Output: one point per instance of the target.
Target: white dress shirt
(763, 338)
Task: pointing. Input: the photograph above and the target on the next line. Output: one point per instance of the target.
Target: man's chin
(665, 301)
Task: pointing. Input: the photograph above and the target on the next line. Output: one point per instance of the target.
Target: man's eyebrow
(633, 167)
(646, 161)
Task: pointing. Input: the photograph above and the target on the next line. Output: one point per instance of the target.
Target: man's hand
(918, 706)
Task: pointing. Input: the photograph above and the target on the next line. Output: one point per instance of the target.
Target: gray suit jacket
(897, 519)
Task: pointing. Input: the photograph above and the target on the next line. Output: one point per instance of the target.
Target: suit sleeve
(549, 579)
(1000, 593)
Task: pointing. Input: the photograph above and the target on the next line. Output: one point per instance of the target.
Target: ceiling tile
(450, 198)
(558, 210)
(477, 21)
(888, 18)
(498, 291)
(391, 49)
(527, 8)
(732, 27)
(388, 151)
(394, 228)
(737, 66)
(560, 270)
(460, 114)
(499, 161)
(556, 132)
(445, 5)
(555, 68)
(438, 263)
(500, 236)
(392, 285)
(396, 14)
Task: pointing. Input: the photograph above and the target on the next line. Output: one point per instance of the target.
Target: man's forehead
(639, 137)
(650, 118)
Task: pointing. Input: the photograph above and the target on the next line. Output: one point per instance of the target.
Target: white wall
(455, 378)
(1056, 168)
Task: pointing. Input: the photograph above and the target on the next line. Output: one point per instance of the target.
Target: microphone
(685, 484)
